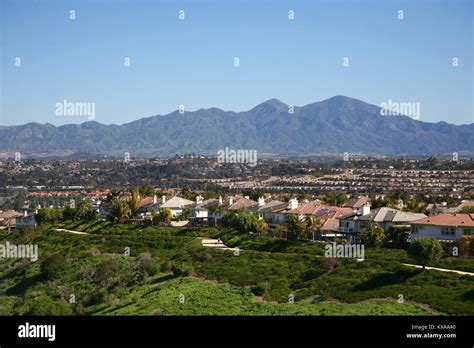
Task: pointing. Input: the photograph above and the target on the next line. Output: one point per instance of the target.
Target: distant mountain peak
(342, 99)
(335, 125)
(271, 105)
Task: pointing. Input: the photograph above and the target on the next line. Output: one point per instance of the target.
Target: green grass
(204, 298)
(269, 268)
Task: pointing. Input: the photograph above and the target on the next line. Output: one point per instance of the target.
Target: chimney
(247, 197)
(220, 200)
(231, 200)
(163, 199)
(199, 199)
(366, 209)
(293, 203)
(155, 199)
(25, 214)
(261, 201)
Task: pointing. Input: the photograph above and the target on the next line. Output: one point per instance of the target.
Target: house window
(415, 229)
(364, 224)
(448, 231)
(468, 231)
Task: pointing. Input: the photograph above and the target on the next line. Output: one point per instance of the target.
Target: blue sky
(190, 61)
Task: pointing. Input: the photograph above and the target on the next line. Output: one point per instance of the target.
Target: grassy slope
(205, 298)
(274, 275)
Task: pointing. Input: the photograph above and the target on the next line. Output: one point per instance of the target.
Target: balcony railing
(345, 229)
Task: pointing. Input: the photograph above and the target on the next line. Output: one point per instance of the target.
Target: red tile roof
(451, 220)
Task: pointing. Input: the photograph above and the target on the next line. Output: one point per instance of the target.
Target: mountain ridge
(337, 124)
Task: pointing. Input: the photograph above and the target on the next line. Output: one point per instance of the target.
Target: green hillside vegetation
(166, 262)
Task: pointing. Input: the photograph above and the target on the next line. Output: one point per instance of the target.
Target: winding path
(216, 244)
(440, 269)
(70, 231)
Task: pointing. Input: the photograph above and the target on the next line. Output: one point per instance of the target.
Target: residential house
(293, 207)
(26, 220)
(267, 210)
(357, 203)
(8, 218)
(201, 210)
(175, 204)
(242, 203)
(434, 209)
(445, 227)
(356, 222)
(328, 217)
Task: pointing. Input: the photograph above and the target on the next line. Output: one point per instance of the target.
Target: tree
(296, 228)
(414, 206)
(119, 209)
(216, 209)
(134, 202)
(84, 211)
(69, 213)
(313, 226)
(165, 215)
(336, 199)
(373, 236)
(49, 215)
(397, 236)
(465, 245)
(185, 214)
(146, 190)
(241, 220)
(260, 226)
(379, 202)
(425, 250)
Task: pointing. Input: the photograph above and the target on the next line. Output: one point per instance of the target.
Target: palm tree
(312, 225)
(215, 209)
(134, 201)
(119, 209)
(81, 208)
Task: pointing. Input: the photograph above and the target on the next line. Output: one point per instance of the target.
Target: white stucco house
(175, 204)
(444, 227)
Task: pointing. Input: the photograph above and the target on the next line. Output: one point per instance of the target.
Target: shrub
(167, 267)
(373, 237)
(260, 289)
(425, 250)
(156, 312)
(53, 265)
(106, 270)
(146, 264)
(45, 305)
(466, 245)
(329, 263)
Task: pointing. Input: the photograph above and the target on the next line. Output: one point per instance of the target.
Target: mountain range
(336, 125)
